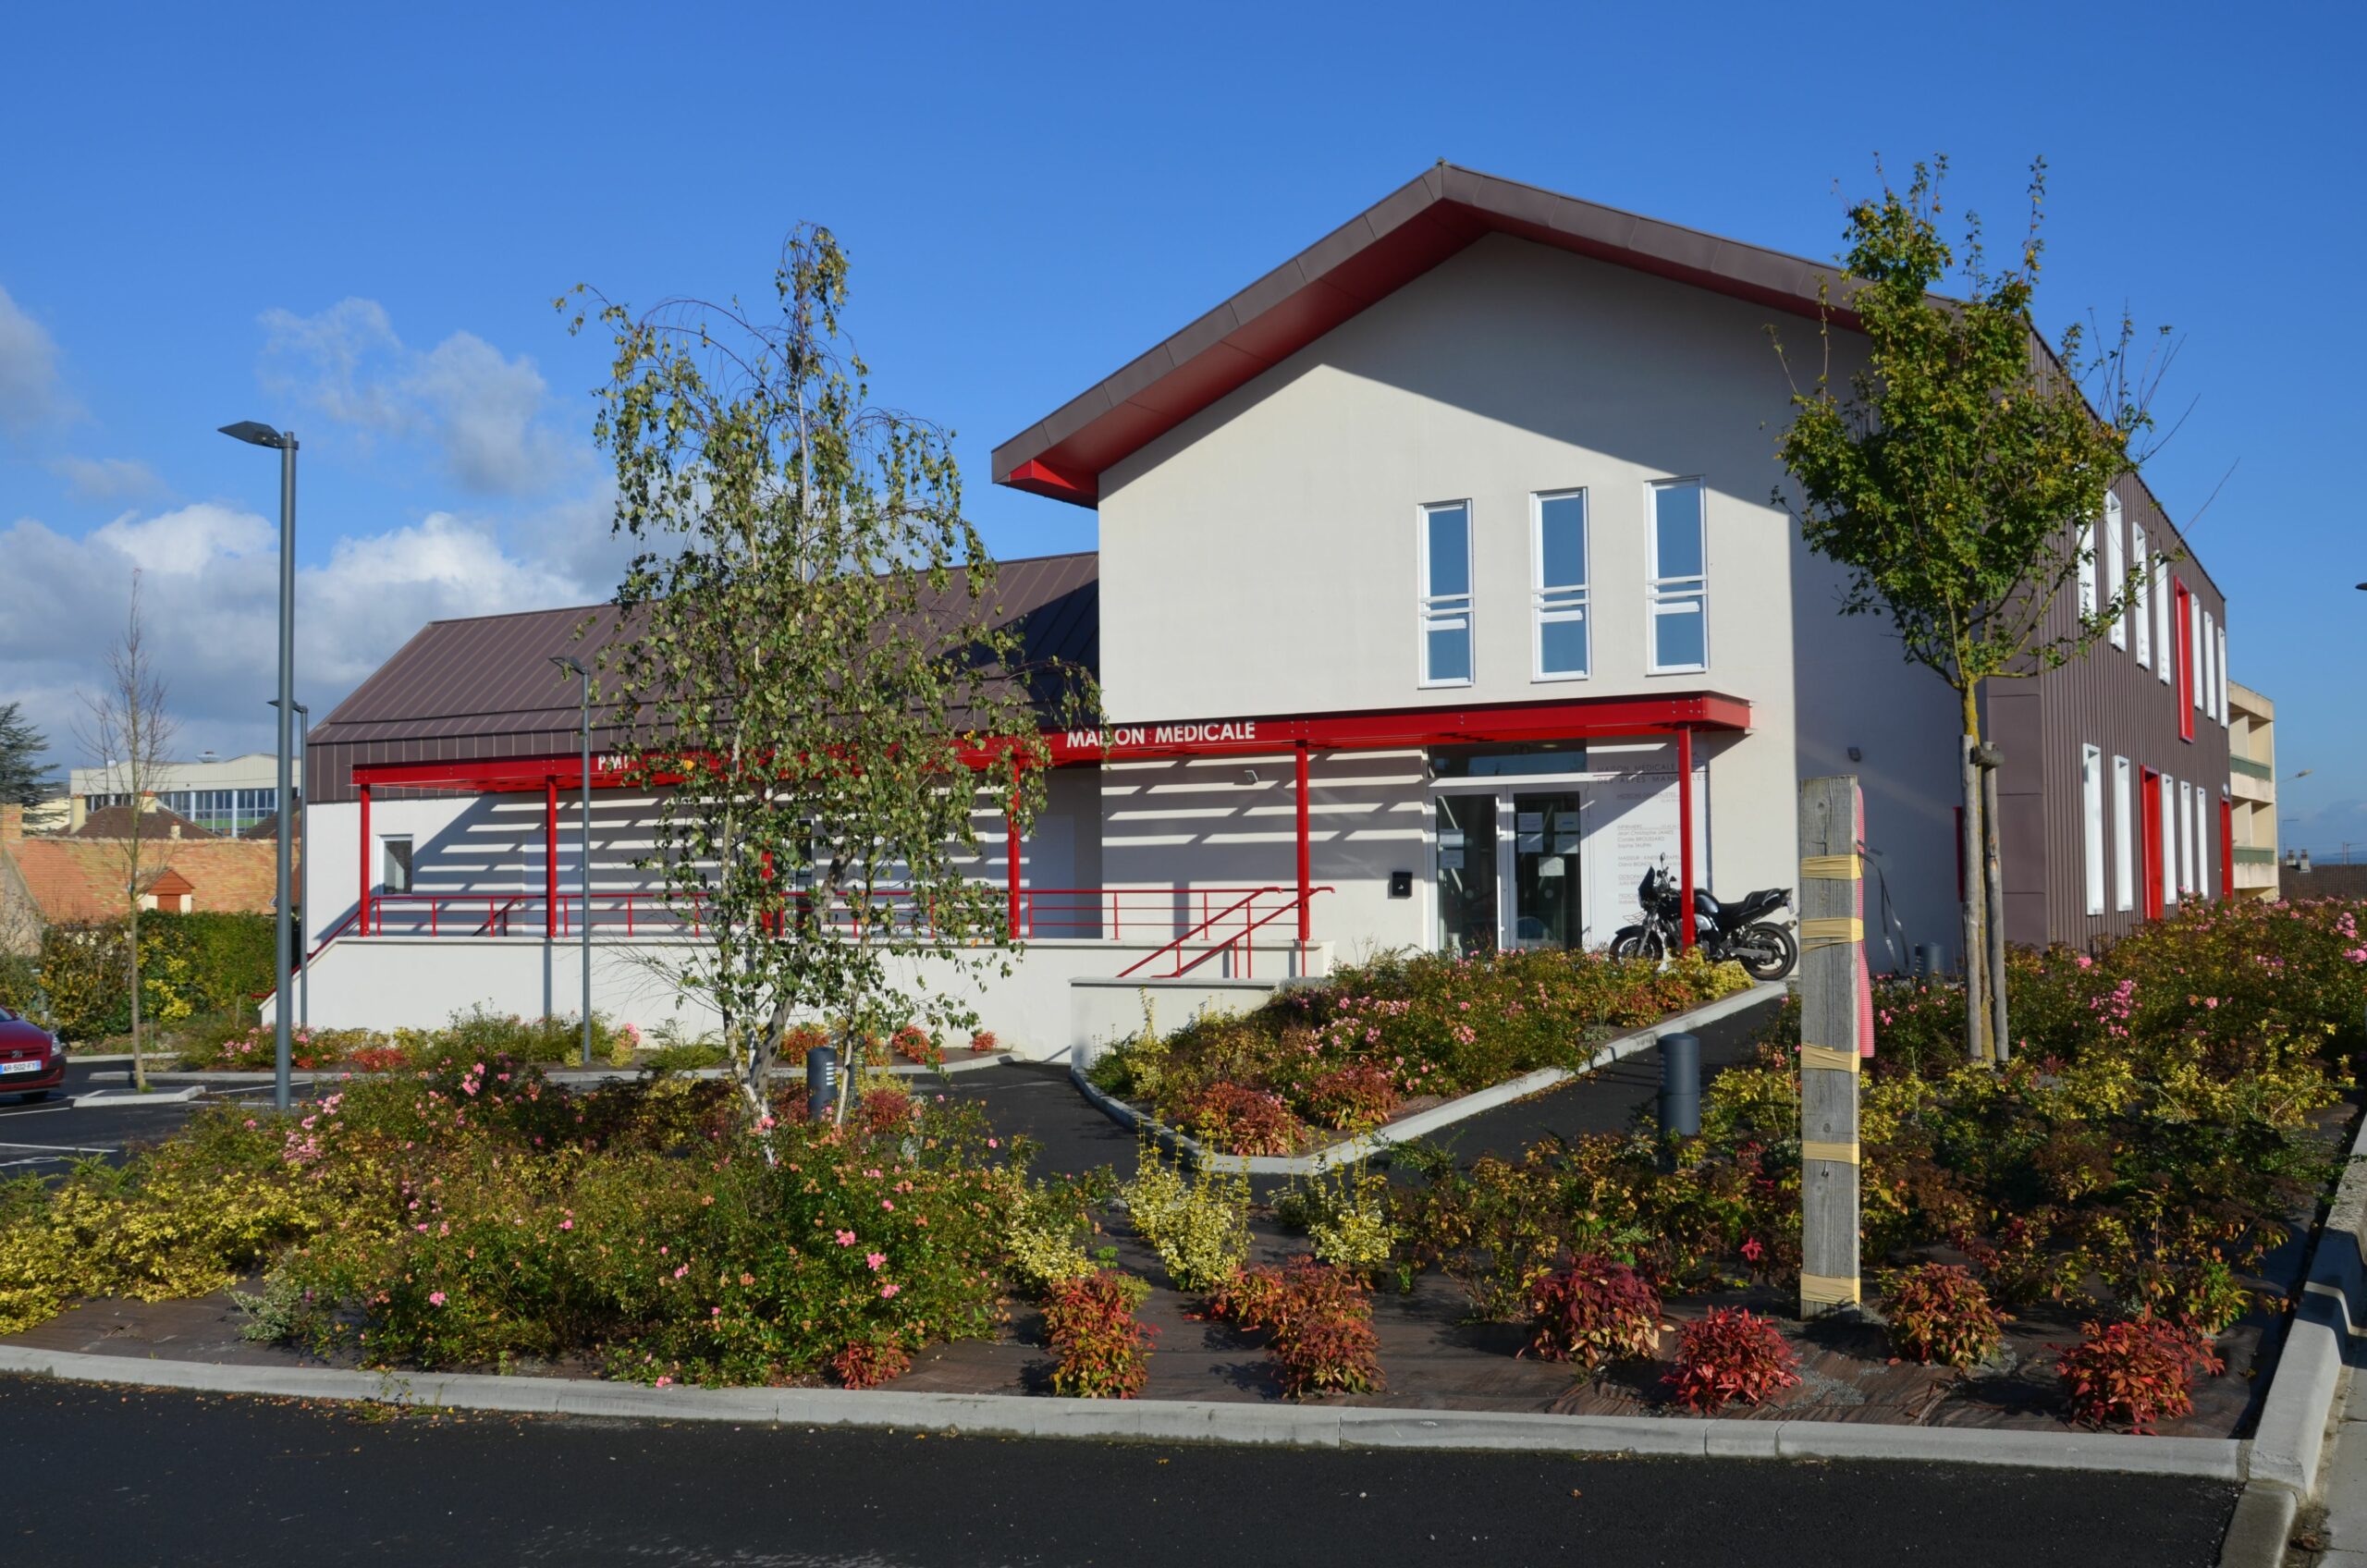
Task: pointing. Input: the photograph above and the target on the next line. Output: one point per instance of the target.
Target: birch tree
(1954, 475)
(814, 676)
(126, 727)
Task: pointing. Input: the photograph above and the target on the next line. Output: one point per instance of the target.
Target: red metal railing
(1232, 929)
(1222, 916)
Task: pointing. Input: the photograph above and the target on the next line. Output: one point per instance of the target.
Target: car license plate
(32, 1066)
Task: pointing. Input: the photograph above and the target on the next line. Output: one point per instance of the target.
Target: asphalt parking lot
(46, 1137)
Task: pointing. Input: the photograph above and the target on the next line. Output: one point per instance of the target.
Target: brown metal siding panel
(2111, 702)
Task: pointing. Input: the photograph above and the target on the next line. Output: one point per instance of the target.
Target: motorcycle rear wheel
(1766, 951)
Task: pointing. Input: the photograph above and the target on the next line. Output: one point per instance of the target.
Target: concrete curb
(2290, 1442)
(1176, 1420)
(566, 1074)
(2260, 1528)
(1184, 1146)
(101, 1098)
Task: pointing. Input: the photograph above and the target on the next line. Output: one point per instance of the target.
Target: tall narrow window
(1559, 608)
(2188, 631)
(2185, 839)
(1446, 595)
(2090, 548)
(2143, 614)
(2210, 666)
(2091, 823)
(1678, 617)
(2123, 833)
(2225, 720)
(2167, 655)
(2169, 841)
(2204, 859)
(2116, 571)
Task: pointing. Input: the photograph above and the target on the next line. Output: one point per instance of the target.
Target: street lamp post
(583, 854)
(284, 442)
(304, 869)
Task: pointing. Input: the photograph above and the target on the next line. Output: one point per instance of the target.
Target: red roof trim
(1403, 729)
(1363, 262)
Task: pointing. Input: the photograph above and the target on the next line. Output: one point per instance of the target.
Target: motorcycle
(1721, 930)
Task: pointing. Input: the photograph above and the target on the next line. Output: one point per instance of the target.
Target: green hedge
(192, 965)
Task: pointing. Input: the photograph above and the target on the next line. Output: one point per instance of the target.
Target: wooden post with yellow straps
(1833, 1030)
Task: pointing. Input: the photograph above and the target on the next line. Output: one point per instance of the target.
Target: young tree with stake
(1956, 476)
(128, 728)
(812, 671)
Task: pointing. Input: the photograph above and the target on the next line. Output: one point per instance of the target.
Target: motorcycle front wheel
(1765, 951)
(1634, 944)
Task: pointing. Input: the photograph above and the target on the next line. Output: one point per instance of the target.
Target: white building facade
(1426, 566)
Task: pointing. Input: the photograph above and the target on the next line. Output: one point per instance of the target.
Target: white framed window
(394, 861)
(2124, 831)
(2090, 545)
(2116, 569)
(2091, 823)
(1558, 568)
(2185, 839)
(2163, 666)
(1445, 544)
(2196, 669)
(2210, 666)
(2143, 614)
(2225, 720)
(2204, 810)
(2169, 839)
(1677, 618)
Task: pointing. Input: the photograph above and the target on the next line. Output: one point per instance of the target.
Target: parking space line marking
(67, 1149)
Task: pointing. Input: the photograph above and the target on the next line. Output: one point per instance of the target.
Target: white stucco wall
(1261, 558)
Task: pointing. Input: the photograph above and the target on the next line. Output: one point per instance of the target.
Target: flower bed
(2168, 1118)
(478, 1216)
(1380, 1038)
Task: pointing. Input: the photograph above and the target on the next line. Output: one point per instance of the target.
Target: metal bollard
(821, 1081)
(1681, 1084)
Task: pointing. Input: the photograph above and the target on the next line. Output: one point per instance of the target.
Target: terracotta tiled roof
(115, 821)
(76, 878)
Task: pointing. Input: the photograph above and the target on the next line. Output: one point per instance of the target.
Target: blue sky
(354, 220)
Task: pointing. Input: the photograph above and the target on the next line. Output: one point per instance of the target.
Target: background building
(227, 797)
(2251, 790)
(46, 879)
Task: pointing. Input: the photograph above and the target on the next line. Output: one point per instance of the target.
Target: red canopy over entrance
(1576, 718)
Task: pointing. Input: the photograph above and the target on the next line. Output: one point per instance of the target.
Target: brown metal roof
(1368, 258)
(483, 687)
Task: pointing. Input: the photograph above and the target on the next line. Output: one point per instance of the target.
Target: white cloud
(483, 411)
(31, 393)
(210, 600)
(109, 479)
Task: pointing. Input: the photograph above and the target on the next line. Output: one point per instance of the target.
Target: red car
(31, 1061)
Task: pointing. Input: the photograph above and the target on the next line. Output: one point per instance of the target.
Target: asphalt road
(122, 1477)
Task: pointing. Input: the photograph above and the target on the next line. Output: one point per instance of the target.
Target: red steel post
(1305, 876)
(550, 858)
(1685, 839)
(362, 921)
(1010, 853)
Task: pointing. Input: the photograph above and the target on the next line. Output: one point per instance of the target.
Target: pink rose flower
(875, 1259)
(435, 1298)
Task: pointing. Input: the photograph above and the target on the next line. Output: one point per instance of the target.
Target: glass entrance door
(1466, 872)
(1544, 872)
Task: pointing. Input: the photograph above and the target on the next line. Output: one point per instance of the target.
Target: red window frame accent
(2149, 815)
(2227, 849)
(2184, 621)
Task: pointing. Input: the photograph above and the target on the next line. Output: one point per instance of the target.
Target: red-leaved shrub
(1098, 1343)
(2134, 1373)
(1939, 1313)
(1319, 1321)
(984, 1041)
(1731, 1353)
(915, 1045)
(1594, 1311)
(884, 1107)
(376, 1058)
(1242, 1120)
(1359, 1095)
(867, 1364)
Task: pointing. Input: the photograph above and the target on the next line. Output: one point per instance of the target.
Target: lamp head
(572, 666)
(256, 433)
